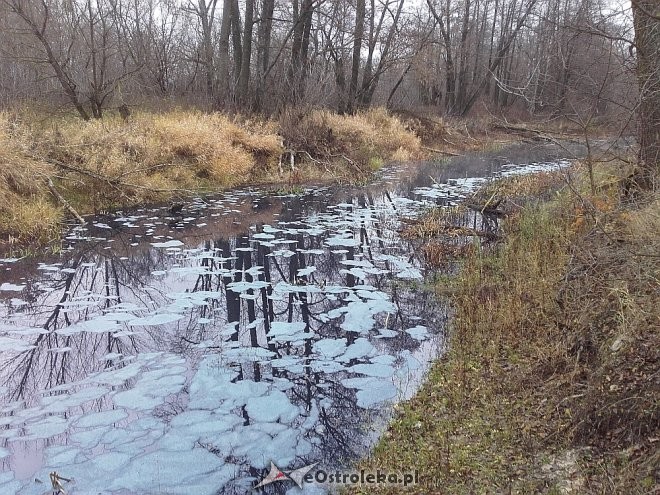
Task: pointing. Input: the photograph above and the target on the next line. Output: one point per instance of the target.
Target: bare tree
(36, 17)
(249, 55)
(244, 77)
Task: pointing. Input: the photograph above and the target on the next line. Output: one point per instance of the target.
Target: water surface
(161, 354)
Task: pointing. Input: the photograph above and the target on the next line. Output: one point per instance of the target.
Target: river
(184, 354)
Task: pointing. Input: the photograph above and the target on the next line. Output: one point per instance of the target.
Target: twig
(145, 169)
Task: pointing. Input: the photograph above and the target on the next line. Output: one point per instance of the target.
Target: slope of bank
(55, 166)
(550, 381)
(52, 167)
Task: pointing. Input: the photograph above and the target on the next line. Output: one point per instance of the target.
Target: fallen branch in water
(60, 198)
(115, 182)
(442, 152)
(488, 208)
(525, 132)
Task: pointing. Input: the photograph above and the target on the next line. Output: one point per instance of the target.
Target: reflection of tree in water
(231, 292)
(56, 357)
(340, 422)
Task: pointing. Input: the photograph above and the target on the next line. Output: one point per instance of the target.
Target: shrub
(366, 138)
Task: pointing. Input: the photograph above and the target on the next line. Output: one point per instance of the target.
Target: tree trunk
(263, 49)
(369, 85)
(357, 48)
(463, 56)
(302, 23)
(223, 49)
(236, 39)
(244, 77)
(38, 29)
(646, 17)
(450, 76)
(207, 47)
(505, 45)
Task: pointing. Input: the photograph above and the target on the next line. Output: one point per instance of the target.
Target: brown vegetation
(550, 381)
(365, 139)
(99, 165)
(25, 209)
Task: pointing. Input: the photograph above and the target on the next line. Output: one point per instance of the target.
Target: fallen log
(491, 209)
(441, 152)
(65, 203)
(533, 134)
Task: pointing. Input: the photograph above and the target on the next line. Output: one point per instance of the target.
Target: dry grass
(432, 131)
(154, 156)
(550, 383)
(32, 220)
(366, 139)
(26, 212)
(110, 163)
(99, 165)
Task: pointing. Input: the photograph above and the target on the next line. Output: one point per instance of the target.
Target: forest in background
(548, 58)
(146, 100)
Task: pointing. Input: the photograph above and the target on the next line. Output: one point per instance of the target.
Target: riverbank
(549, 383)
(56, 166)
(61, 166)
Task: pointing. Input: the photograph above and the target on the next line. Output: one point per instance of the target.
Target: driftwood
(65, 203)
(115, 182)
(533, 134)
(441, 152)
(488, 208)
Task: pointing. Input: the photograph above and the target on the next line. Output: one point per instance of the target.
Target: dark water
(161, 354)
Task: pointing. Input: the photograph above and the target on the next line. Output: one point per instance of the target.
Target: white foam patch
(167, 244)
(247, 354)
(418, 333)
(103, 418)
(329, 348)
(156, 319)
(47, 427)
(374, 369)
(198, 471)
(16, 345)
(244, 286)
(361, 348)
(371, 391)
(342, 241)
(88, 439)
(110, 462)
(386, 333)
(272, 407)
(138, 400)
(97, 325)
(281, 331)
(304, 272)
(6, 286)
